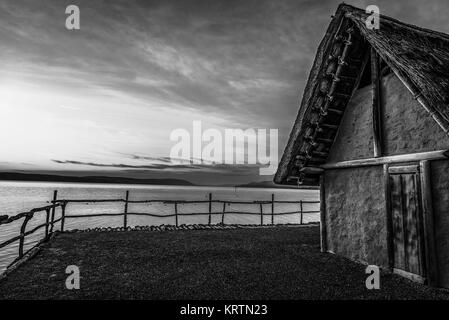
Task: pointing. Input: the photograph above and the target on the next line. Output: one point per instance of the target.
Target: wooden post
(300, 206)
(22, 233)
(261, 214)
(272, 208)
(376, 107)
(323, 229)
(125, 214)
(210, 208)
(47, 219)
(223, 214)
(176, 213)
(428, 223)
(390, 244)
(53, 210)
(63, 216)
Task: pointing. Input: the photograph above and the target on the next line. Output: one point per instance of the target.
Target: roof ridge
(349, 8)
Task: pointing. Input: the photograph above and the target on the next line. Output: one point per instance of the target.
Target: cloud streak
(223, 168)
(123, 166)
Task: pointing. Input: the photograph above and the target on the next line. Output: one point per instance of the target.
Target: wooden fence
(50, 210)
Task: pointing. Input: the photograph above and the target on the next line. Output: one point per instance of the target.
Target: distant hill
(271, 184)
(89, 179)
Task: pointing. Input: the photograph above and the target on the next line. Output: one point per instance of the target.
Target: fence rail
(50, 211)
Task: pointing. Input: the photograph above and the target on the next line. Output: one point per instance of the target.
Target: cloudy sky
(106, 97)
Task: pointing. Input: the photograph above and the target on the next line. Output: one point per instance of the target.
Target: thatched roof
(419, 57)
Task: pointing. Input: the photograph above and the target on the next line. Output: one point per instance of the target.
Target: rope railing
(50, 210)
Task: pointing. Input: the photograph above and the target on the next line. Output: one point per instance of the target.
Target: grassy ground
(268, 263)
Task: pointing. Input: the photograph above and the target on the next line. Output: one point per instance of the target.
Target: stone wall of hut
(356, 219)
(407, 127)
(355, 199)
(355, 134)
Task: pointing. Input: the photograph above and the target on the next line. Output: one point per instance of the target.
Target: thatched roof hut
(419, 58)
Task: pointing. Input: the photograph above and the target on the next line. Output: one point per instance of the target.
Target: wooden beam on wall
(431, 155)
(376, 106)
(428, 223)
(389, 218)
(323, 228)
(311, 170)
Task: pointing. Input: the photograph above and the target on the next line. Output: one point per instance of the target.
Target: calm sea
(16, 197)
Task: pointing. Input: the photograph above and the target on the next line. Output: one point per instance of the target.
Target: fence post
(272, 208)
(53, 210)
(63, 216)
(22, 233)
(223, 214)
(261, 214)
(125, 214)
(210, 208)
(47, 219)
(176, 213)
(300, 204)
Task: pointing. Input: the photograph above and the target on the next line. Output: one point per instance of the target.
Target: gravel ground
(257, 263)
